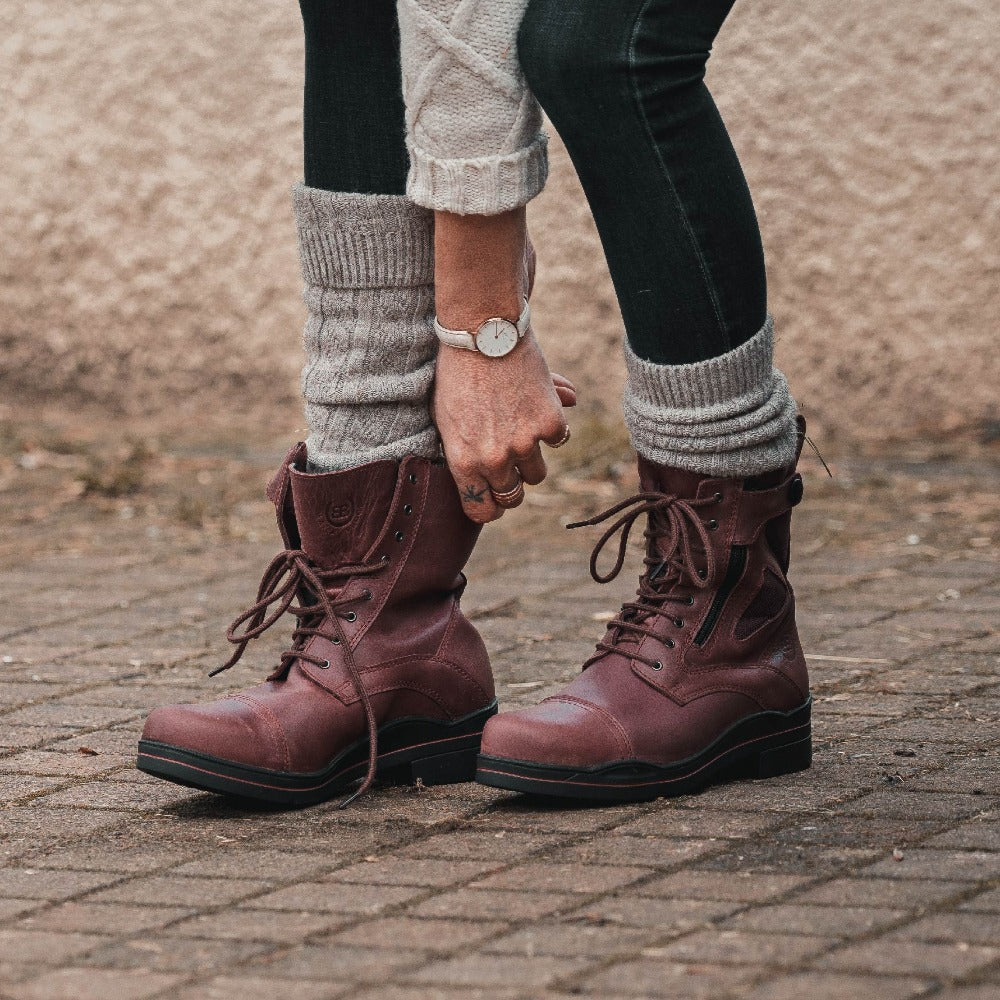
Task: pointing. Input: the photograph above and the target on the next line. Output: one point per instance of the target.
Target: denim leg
(623, 83)
(354, 130)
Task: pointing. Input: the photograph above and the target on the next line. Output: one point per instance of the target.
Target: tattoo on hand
(472, 495)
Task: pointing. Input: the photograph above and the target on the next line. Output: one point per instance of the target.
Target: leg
(700, 677)
(383, 677)
(354, 134)
(624, 85)
(367, 250)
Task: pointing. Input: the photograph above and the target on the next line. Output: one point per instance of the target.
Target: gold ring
(562, 440)
(509, 498)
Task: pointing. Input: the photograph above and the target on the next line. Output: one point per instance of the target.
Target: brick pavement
(874, 875)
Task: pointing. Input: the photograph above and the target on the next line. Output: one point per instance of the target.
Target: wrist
(479, 267)
(468, 311)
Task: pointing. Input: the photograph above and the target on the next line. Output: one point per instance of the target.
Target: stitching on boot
(267, 717)
(619, 730)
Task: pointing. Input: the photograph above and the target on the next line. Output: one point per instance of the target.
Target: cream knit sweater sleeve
(474, 130)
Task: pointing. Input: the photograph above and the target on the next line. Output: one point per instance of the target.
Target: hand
(491, 414)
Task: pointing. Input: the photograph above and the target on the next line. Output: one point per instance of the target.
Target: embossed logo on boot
(338, 513)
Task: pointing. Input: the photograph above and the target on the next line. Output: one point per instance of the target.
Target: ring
(562, 440)
(509, 498)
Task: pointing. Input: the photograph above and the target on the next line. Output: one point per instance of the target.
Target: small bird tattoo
(472, 495)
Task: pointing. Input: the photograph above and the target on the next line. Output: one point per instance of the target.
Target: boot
(701, 677)
(385, 677)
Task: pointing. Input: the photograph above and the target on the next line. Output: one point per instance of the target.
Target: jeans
(623, 83)
(354, 132)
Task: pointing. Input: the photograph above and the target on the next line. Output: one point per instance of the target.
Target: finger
(532, 467)
(477, 500)
(566, 396)
(565, 389)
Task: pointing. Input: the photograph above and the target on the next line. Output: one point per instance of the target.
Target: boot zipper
(737, 563)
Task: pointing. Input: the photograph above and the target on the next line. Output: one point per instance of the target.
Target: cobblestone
(875, 875)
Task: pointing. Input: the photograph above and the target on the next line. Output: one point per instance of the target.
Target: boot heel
(446, 768)
(441, 769)
(784, 760)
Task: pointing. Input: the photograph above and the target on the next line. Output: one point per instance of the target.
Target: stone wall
(148, 263)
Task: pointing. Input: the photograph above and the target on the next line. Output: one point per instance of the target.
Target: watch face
(496, 337)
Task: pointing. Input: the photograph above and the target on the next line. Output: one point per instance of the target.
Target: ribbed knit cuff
(425, 444)
(486, 185)
(349, 240)
(729, 416)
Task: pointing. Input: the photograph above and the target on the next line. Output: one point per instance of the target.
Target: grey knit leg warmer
(729, 416)
(368, 267)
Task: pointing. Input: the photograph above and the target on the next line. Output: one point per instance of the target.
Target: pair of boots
(701, 677)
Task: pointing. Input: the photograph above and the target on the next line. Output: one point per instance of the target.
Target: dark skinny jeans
(623, 83)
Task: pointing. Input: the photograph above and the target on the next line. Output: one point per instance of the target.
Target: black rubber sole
(760, 746)
(410, 750)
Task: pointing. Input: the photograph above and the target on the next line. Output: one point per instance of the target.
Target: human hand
(491, 414)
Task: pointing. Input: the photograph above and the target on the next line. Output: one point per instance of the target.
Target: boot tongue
(340, 514)
(655, 478)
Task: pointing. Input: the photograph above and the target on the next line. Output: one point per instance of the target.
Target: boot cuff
(351, 240)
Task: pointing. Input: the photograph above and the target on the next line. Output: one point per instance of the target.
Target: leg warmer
(368, 267)
(729, 416)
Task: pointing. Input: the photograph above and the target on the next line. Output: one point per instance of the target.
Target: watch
(495, 338)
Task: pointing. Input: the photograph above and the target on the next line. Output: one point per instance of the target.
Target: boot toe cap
(228, 730)
(559, 732)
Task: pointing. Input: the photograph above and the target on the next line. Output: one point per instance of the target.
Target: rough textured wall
(147, 260)
(149, 148)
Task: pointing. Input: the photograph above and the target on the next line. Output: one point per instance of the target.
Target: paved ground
(875, 875)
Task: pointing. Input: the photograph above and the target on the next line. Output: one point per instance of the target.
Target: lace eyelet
(702, 574)
(325, 665)
(658, 665)
(407, 509)
(351, 616)
(412, 477)
(718, 498)
(679, 622)
(399, 536)
(669, 643)
(366, 595)
(712, 525)
(384, 559)
(689, 601)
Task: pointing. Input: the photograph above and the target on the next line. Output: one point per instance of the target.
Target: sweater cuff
(486, 185)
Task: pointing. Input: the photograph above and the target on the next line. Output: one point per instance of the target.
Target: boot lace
(667, 564)
(292, 574)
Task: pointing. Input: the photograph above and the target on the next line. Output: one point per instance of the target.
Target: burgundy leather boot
(385, 677)
(700, 678)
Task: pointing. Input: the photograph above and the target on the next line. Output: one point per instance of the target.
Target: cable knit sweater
(473, 128)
